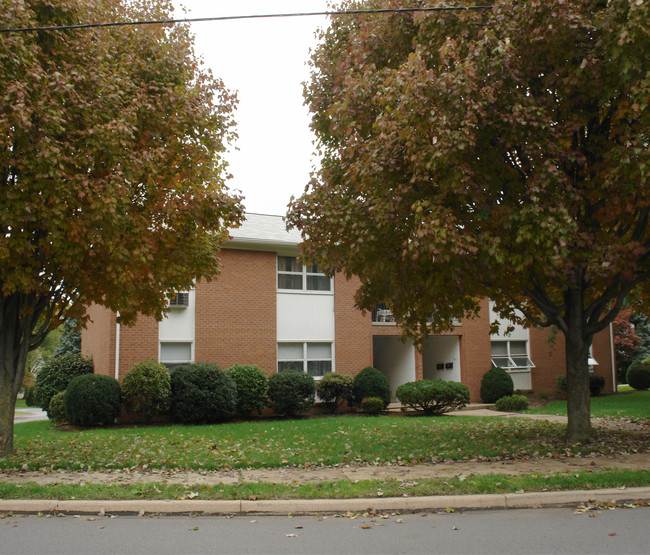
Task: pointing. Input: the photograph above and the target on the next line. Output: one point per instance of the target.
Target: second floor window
(294, 276)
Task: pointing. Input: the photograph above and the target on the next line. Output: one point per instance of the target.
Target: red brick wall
(475, 351)
(353, 329)
(98, 339)
(236, 313)
(137, 343)
(601, 349)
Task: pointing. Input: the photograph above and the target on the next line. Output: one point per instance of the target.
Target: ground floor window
(313, 358)
(175, 353)
(511, 355)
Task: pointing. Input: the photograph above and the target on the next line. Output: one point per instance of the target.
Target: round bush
(55, 376)
(638, 374)
(433, 397)
(496, 383)
(146, 389)
(370, 382)
(56, 411)
(512, 403)
(92, 400)
(202, 393)
(333, 388)
(252, 388)
(372, 406)
(291, 392)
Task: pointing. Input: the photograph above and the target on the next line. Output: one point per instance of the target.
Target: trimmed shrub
(252, 388)
(30, 397)
(146, 389)
(55, 376)
(561, 385)
(433, 397)
(512, 403)
(92, 400)
(291, 392)
(372, 406)
(56, 411)
(596, 384)
(333, 388)
(638, 374)
(370, 382)
(202, 393)
(496, 383)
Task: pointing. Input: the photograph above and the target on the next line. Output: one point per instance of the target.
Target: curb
(327, 506)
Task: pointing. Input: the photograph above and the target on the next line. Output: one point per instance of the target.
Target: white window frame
(512, 365)
(304, 275)
(171, 364)
(305, 358)
(180, 300)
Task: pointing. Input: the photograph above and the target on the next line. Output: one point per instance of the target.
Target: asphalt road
(559, 530)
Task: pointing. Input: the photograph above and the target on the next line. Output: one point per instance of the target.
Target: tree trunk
(577, 370)
(15, 333)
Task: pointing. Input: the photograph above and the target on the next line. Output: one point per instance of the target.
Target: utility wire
(235, 17)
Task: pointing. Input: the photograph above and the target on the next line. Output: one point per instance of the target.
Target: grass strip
(324, 441)
(632, 404)
(463, 485)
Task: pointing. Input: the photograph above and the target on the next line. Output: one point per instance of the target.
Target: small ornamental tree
(496, 153)
(334, 388)
(113, 177)
(146, 389)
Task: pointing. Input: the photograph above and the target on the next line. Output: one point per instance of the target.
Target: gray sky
(264, 60)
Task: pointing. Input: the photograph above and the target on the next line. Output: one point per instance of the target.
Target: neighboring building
(266, 308)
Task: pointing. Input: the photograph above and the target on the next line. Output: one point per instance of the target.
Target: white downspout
(117, 349)
(611, 347)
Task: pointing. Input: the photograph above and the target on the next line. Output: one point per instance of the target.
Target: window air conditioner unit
(180, 300)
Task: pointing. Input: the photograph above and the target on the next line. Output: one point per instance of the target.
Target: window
(181, 300)
(173, 354)
(511, 355)
(294, 276)
(313, 358)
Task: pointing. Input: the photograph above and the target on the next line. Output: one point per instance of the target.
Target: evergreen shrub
(433, 397)
(638, 374)
(291, 392)
(252, 388)
(496, 383)
(146, 389)
(512, 403)
(56, 411)
(370, 382)
(596, 384)
(92, 400)
(333, 388)
(55, 376)
(372, 406)
(202, 393)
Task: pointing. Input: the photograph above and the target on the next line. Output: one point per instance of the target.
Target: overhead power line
(236, 17)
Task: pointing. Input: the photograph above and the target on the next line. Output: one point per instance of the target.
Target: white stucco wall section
(394, 359)
(443, 350)
(518, 334)
(178, 325)
(305, 317)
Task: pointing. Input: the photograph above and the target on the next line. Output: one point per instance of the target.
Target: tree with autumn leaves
(113, 177)
(499, 153)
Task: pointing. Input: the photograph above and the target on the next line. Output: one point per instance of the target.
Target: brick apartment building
(265, 308)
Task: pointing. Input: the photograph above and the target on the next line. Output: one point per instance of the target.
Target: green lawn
(319, 441)
(20, 404)
(632, 404)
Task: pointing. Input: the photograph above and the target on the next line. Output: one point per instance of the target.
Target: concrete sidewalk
(331, 506)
